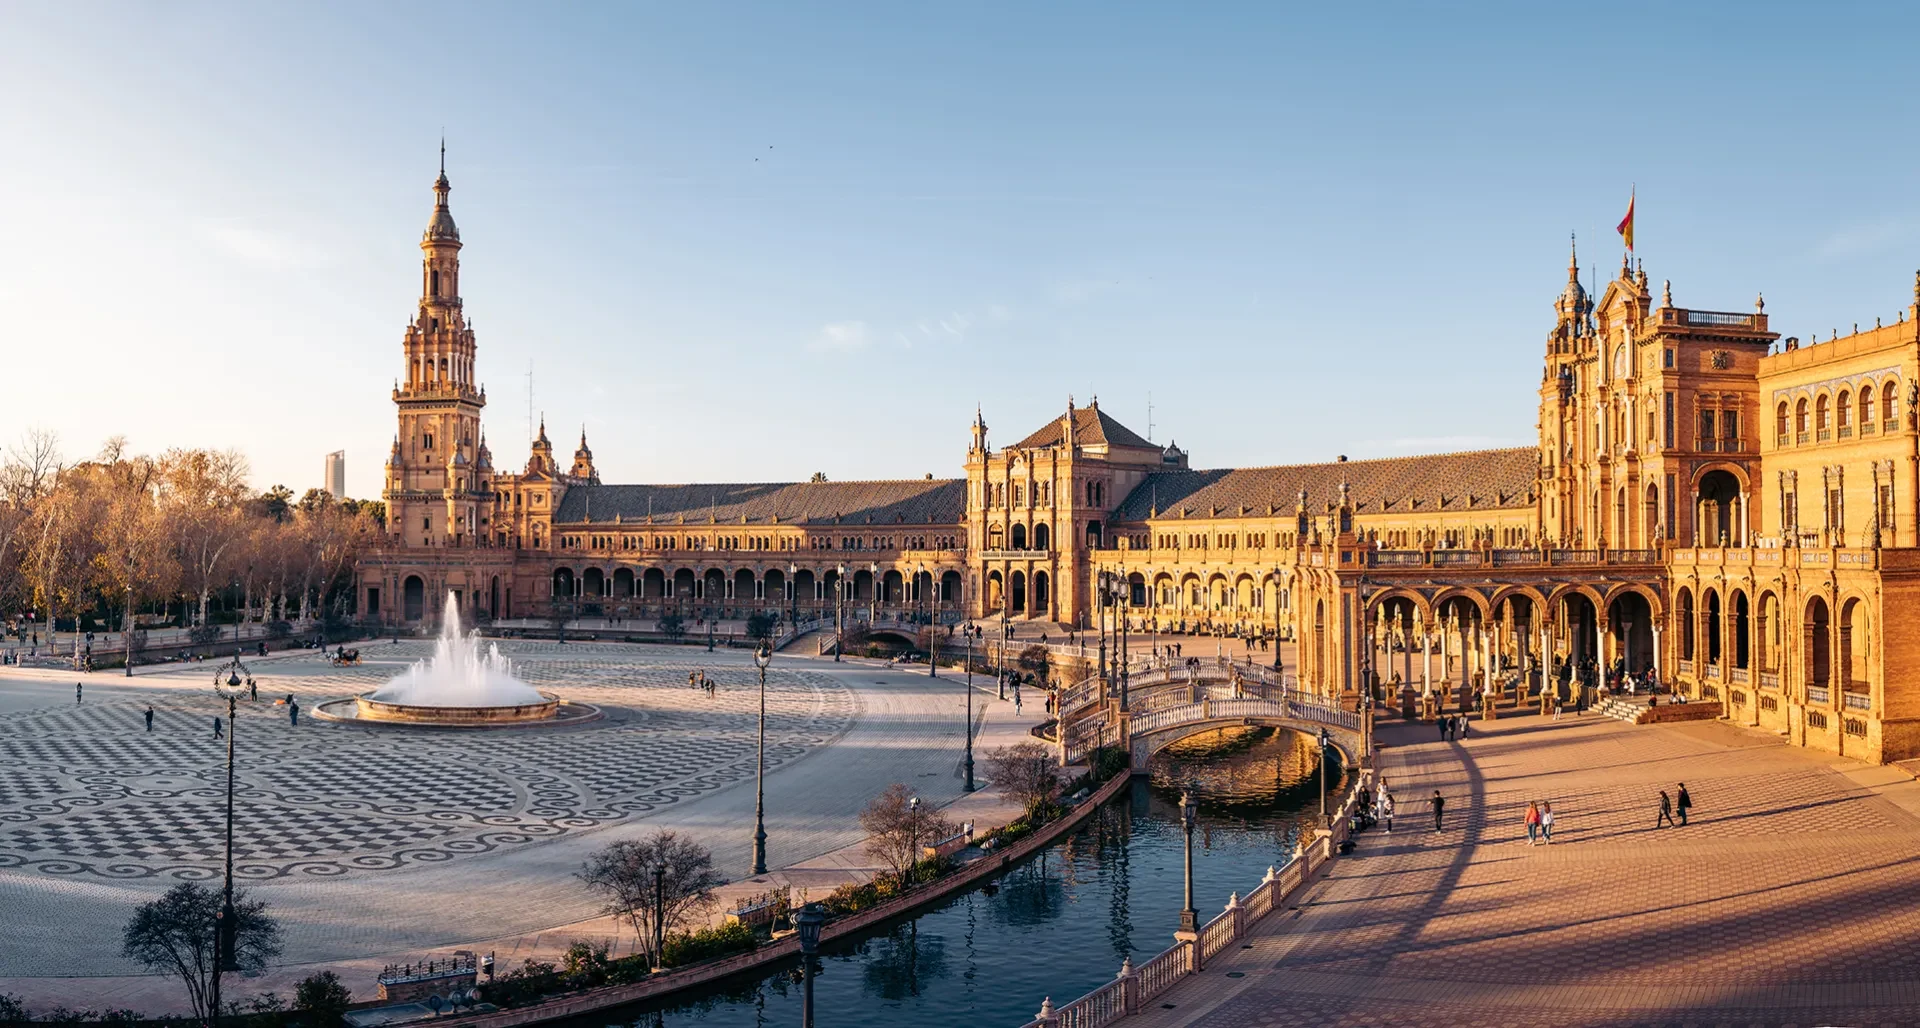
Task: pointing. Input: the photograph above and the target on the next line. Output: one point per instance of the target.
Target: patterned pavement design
(87, 792)
(1793, 897)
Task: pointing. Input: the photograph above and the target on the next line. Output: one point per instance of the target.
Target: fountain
(458, 686)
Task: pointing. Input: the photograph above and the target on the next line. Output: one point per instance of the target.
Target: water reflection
(1060, 924)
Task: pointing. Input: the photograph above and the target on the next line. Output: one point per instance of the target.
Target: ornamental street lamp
(228, 685)
(659, 917)
(128, 627)
(1326, 741)
(969, 711)
(1278, 591)
(1189, 812)
(793, 597)
(761, 658)
(811, 918)
(913, 837)
(839, 613)
(932, 641)
(873, 597)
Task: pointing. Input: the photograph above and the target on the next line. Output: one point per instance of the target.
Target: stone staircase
(1624, 708)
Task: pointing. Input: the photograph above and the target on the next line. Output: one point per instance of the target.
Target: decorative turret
(540, 461)
(583, 460)
(979, 441)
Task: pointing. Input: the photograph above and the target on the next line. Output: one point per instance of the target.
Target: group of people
(1539, 822)
(1452, 726)
(699, 680)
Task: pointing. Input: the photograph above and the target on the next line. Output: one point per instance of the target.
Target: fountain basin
(370, 709)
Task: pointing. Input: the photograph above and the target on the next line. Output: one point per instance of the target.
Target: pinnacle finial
(1573, 257)
(443, 153)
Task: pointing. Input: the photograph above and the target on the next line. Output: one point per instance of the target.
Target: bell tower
(434, 494)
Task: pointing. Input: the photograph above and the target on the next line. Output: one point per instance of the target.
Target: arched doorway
(1719, 511)
(1819, 631)
(950, 587)
(996, 592)
(623, 583)
(1041, 536)
(563, 584)
(1630, 621)
(1019, 537)
(413, 598)
(1017, 586)
(1040, 595)
(493, 597)
(1742, 632)
(1710, 605)
(1684, 622)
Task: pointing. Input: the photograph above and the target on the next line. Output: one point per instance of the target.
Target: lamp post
(127, 628)
(793, 597)
(1279, 588)
(811, 918)
(913, 837)
(1325, 741)
(659, 917)
(932, 642)
(1125, 585)
(761, 658)
(1189, 812)
(839, 613)
(873, 599)
(227, 684)
(969, 636)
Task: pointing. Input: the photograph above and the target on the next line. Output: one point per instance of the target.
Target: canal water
(1060, 924)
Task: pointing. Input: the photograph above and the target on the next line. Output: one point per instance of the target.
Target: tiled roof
(1091, 427)
(1450, 482)
(911, 501)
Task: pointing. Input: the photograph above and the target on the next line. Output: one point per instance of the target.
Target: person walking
(149, 717)
(217, 731)
(1439, 808)
(293, 712)
(1684, 804)
(1441, 723)
(1533, 822)
(1666, 810)
(253, 691)
(1546, 823)
(1386, 810)
(76, 692)
(1464, 718)
(1016, 700)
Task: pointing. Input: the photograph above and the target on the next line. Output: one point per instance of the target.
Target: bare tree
(203, 491)
(175, 935)
(897, 827)
(624, 872)
(1024, 771)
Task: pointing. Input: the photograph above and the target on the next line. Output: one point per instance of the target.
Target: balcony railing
(1770, 679)
(1890, 426)
(1858, 700)
(1713, 670)
(1818, 696)
(1718, 319)
(1015, 555)
(1739, 674)
(1846, 431)
(1800, 438)
(1780, 439)
(1686, 667)
(1866, 428)
(1825, 435)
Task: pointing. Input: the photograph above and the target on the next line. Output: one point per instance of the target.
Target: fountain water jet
(457, 685)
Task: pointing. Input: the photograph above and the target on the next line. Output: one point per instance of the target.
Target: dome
(442, 228)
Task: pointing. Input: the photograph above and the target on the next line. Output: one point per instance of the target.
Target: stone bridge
(1147, 731)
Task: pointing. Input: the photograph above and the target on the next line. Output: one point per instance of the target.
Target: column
(1656, 649)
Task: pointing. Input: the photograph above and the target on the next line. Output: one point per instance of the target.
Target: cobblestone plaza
(370, 840)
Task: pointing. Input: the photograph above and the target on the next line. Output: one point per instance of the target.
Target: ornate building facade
(1732, 512)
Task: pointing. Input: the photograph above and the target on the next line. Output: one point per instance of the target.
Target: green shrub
(707, 944)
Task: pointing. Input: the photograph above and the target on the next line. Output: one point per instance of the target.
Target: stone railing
(1134, 988)
(1015, 555)
(1097, 729)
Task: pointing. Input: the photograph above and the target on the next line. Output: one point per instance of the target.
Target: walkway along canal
(1059, 924)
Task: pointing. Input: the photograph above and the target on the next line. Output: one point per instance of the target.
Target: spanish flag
(1625, 228)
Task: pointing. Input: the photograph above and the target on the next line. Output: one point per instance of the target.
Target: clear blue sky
(749, 242)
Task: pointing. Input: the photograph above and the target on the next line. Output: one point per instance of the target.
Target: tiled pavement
(374, 845)
(1793, 897)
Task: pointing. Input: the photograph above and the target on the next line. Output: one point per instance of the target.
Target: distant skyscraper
(337, 474)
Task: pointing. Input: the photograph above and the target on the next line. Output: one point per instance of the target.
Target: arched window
(1019, 537)
(1800, 417)
(1822, 414)
(1866, 408)
(1886, 405)
(1843, 409)
(1780, 421)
